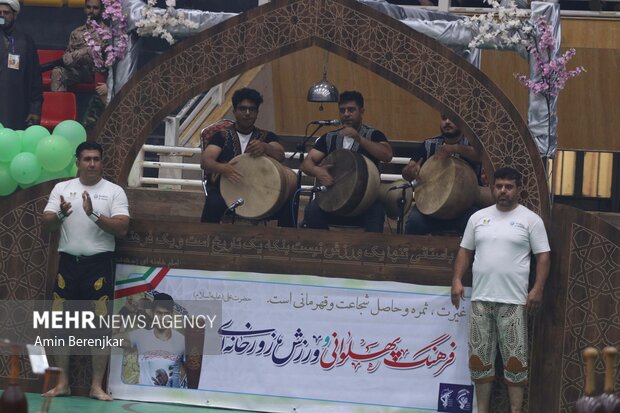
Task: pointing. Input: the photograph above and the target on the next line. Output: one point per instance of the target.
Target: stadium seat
(89, 87)
(57, 106)
(46, 56)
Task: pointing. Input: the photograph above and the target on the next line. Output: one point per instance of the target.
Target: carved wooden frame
(349, 29)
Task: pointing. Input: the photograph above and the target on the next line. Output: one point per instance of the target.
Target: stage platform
(76, 404)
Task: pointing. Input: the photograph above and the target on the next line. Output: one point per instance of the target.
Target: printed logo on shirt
(485, 221)
(101, 197)
(517, 224)
(72, 195)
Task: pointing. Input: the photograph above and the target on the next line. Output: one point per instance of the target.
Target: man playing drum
(451, 142)
(224, 145)
(356, 137)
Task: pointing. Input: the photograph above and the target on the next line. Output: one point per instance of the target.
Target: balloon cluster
(32, 156)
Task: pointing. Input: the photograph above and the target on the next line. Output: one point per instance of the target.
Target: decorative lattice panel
(592, 307)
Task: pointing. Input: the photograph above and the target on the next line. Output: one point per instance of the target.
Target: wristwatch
(61, 215)
(94, 216)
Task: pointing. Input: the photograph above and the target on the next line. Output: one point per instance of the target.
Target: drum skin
(446, 187)
(265, 186)
(390, 198)
(356, 184)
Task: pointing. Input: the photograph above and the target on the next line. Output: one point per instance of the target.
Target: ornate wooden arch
(344, 27)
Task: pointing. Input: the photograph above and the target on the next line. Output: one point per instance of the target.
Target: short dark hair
(88, 146)
(163, 300)
(350, 95)
(508, 173)
(249, 94)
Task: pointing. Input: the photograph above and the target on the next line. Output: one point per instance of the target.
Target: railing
(178, 130)
(137, 178)
(578, 174)
(450, 6)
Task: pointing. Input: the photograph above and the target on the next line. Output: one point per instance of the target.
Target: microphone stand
(232, 212)
(301, 149)
(400, 227)
(400, 222)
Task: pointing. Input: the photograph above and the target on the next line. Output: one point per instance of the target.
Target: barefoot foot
(99, 394)
(58, 391)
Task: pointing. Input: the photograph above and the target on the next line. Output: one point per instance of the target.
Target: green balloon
(73, 172)
(25, 168)
(32, 136)
(10, 144)
(72, 130)
(54, 153)
(48, 176)
(26, 186)
(8, 185)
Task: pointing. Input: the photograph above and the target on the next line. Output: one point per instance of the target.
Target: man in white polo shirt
(500, 239)
(90, 212)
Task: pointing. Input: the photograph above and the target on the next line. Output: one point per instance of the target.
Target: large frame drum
(265, 186)
(446, 187)
(356, 184)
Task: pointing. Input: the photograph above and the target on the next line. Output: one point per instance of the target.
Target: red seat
(89, 87)
(57, 106)
(46, 56)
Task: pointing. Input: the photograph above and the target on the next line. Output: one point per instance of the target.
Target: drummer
(451, 142)
(223, 146)
(353, 136)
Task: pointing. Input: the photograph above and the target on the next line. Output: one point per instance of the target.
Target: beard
(451, 134)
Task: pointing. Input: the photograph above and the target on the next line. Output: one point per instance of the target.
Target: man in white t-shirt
(160, 350)
(90, 212)
(500, 239)
(225, 144)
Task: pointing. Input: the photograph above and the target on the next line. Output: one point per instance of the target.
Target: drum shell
(265, 186)
(390, 198)
(446, 187)
(484, 197)
(356, 184)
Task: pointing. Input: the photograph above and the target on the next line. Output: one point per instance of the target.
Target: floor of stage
(75, 404)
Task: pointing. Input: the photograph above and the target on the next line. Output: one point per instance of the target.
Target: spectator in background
(96, 106)
(21, 93)
(78, 65)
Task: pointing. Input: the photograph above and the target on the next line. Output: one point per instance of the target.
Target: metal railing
(181, 127)
(137, 178)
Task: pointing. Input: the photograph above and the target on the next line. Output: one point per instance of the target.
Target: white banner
(316, 344)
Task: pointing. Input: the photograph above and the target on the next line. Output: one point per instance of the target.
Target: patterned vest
(232, 145)
(333, 138)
